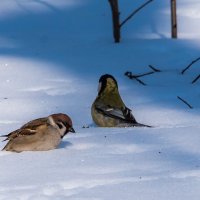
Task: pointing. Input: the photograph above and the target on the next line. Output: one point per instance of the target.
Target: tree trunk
(116, 20)
(173, 19)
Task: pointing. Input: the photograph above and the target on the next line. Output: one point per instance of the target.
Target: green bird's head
(108, 93)
(107, 84)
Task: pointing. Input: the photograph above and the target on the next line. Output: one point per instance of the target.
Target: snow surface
(52, 54)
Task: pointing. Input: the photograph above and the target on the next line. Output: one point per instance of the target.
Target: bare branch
(134, 12)
(173, 19)
(154, 69)
(185, 102)
(116, 20)
(194, 61)
(131, 76)
(145, 74)
(196, 79)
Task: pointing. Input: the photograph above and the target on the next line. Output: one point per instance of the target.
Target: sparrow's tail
(4, 136)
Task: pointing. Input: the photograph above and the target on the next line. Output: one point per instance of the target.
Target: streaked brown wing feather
(18, 133)
(27, 129)
(35, 123)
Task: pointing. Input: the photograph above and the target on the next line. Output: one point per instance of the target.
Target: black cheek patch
(59, 125)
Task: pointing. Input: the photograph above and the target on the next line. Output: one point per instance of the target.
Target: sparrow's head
(107, 83)
(63, 122)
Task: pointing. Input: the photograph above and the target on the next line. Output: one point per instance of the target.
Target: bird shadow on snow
(64, 144)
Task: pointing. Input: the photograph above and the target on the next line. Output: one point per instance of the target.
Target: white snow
(52, 54)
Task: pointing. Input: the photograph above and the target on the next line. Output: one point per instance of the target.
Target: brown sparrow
(40, 134)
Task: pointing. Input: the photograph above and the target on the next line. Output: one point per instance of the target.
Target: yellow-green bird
(108, 109)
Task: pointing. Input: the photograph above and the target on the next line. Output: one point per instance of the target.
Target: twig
(134, 12)
(196, 79)
(137, 79)
(145, 74)
(194, 61)
(154, 69)
(185, 102)
(115, 19)
(129, 75)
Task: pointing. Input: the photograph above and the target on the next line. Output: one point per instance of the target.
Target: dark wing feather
(122, 114)
(125, 115)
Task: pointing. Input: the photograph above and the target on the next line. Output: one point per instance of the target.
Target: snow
(52, 54)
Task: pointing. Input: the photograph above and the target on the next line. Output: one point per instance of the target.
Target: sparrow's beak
(72, 130)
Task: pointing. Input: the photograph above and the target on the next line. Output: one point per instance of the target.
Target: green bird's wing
(123, 114)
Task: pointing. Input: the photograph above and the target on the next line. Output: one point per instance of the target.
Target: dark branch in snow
(154, 69)
(145, 74)
(185, 102)
(131, 76)
(134, 12)
(136, 77)
(196, 79)
(194, 61)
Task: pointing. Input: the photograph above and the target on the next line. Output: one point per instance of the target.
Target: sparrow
(108, 109)
(40, 134)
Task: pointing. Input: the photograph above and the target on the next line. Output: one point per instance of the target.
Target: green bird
(108, 109)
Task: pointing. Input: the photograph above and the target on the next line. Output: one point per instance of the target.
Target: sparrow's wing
(27, 129)
(123, 114)
(19, 133)
(35, 123)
